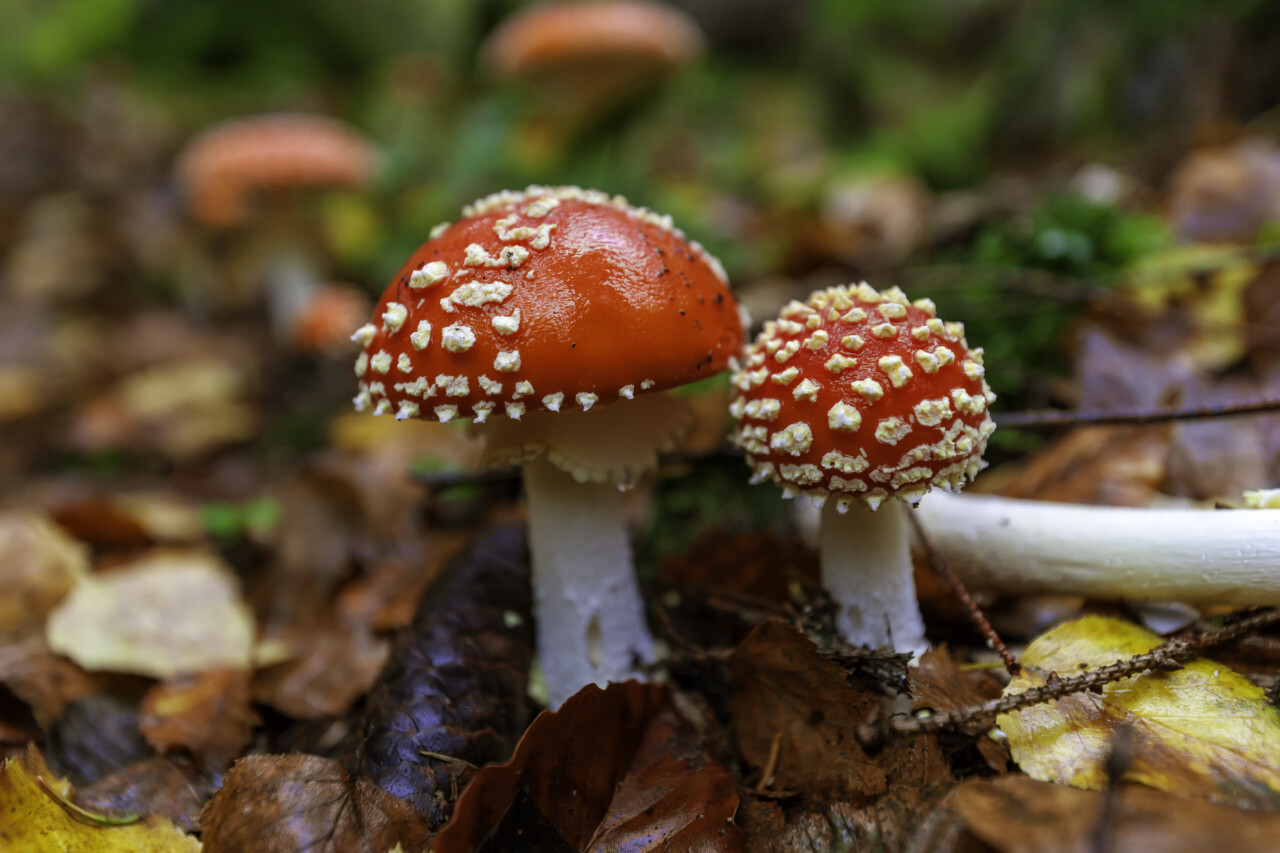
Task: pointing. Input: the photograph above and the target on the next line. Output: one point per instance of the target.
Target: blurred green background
(1004, 157)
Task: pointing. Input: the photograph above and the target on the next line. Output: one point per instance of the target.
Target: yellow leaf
(1201, 731)
(35, 820)
(163, 615)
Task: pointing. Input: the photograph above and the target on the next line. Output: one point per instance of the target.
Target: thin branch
(979, 619)
(1168, 656)
(1057, 420)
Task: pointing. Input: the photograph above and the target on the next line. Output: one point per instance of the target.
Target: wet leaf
(161, 616)
(207, 714)
(37, 818)
(95, 736)
(1203, 730)
(272, 803)
(1020, 815)
(158, 785)
(786, 691)
(454, 694)
(612, 769)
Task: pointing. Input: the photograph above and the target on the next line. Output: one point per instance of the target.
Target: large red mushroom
(864, 401)
(553, 316)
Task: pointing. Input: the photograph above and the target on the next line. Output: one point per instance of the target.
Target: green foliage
(701, 494)
(229, 520)
(1021, 283)
(44, 39)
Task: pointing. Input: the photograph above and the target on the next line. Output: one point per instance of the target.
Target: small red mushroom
(553, 313)
(223, 167)
(589, 55)
(870, 399)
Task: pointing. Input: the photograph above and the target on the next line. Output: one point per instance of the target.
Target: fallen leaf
(160, 616)
(95, 736)
(785, 690)
(1015, 814)
(44, 680)
(613, 769)
(37, 818)
(157, 785)
(1203, 730)
(939, 685)
(207, 714)
(39, 565)
(271, 803)
(330, 666)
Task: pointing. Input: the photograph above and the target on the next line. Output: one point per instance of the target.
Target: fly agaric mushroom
(558, 308)
(273, 156)
(870, 399)
(225, 165)
(593, 52)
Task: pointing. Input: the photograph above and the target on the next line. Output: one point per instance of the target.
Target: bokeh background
(1015, 161)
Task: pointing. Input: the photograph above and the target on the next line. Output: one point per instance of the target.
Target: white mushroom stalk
(863, 400)
(866, 569)
(1197, 556)
(585, 593)
(554, 318)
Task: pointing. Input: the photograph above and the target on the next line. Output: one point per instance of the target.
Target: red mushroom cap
(553, 35)
(222, 167)
(555, 297)
(858, 393)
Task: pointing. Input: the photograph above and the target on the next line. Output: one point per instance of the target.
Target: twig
(84, 815)
(1168, 656)
(1057, 420)
(771, 763)
(979, 619)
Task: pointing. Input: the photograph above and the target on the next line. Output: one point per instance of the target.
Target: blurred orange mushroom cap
(549, 36)
(223, 166)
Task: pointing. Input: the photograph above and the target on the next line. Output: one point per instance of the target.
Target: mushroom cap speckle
(555, 298)
(862, 394)
(224, 165)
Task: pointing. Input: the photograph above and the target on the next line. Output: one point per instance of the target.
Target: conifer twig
(1168, 656)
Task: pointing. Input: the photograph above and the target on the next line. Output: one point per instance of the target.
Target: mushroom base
(590, 616)
(866, 569)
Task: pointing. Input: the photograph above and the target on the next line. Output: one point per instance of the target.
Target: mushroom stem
(1190, 555)
(591, 625)
(866, 569)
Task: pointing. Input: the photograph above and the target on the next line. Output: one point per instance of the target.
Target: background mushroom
(592, 54)
(870, 399)
(270, 159)
(554, 311)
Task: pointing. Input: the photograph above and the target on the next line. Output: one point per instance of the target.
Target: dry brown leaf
(156, 786)
(784, 689)
(1016, 814)
(44, 680)
(612, 769)
(206, 714)
(271, 803)
(39, 565)
(329, 667)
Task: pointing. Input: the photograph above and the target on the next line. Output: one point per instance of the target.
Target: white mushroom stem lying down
(1192, 555)
(866, 569)
(591, 626)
